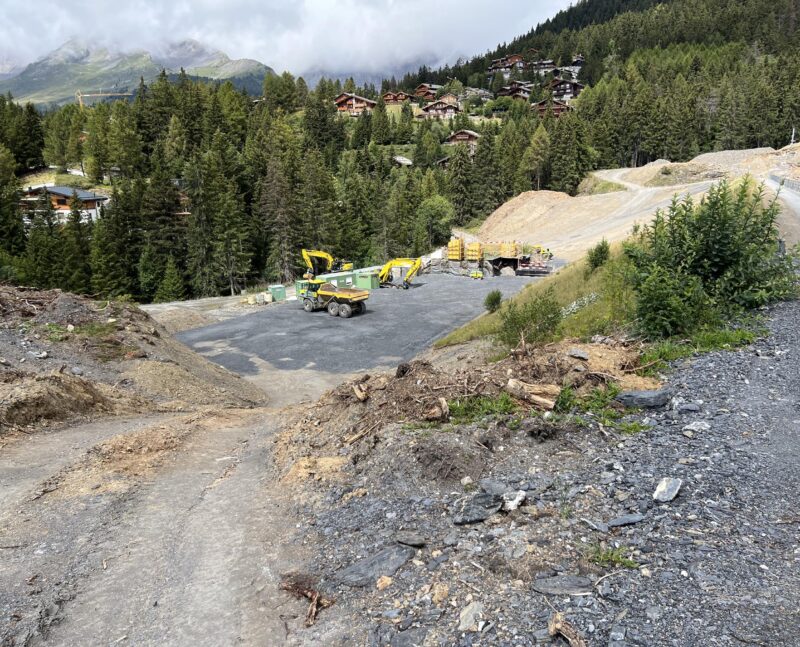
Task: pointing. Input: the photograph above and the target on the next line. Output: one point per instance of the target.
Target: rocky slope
(680, 532)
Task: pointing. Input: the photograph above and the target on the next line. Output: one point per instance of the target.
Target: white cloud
(352, 35)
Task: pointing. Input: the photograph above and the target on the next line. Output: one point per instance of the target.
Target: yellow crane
(80, 96)
(319, 262)
(413, 264)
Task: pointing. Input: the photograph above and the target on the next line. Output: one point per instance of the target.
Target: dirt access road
(179, 541)
(294, 355)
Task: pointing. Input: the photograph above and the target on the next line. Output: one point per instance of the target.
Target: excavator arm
(319, 262)
(413, 265)
(314, 258)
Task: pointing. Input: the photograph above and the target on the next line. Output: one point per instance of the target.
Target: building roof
(553, 102)
(471, 133)
(441, 104)
(67, 191)
(402, 161)
(345, 96)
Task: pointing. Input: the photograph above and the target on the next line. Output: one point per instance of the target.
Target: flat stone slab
(625, 520)
(563, 585)
(645, 399)
(667, 489)
(478, 508)
(366, 571)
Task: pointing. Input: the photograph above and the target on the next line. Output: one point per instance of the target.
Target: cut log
(539, 395)
(439, 412)
(360, 392)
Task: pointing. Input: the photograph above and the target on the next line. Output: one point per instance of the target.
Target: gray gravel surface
(717, 565)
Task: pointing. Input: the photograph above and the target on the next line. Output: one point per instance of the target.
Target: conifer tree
(485, 189)
(76, 271)
(381, 127)
(160, 216)
(404, 132)
(459, 174)
(44, 249)
(12, 229)
(149, 274)
(317, 204)
(534, 162)
(171, 287)
(278, 216)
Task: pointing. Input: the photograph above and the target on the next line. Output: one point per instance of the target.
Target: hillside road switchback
(294, 355)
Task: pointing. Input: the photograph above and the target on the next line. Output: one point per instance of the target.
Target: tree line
(212, 191)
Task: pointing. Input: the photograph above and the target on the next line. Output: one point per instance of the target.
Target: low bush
(493, 300)
(532, 322)
(476, 407)
(597, 256)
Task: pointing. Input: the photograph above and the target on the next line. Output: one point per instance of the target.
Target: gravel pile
(683, 534)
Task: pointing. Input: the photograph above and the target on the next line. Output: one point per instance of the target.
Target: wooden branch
(558, 626)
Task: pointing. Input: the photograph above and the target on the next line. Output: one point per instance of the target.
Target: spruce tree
(148, 272)
(171, 287)
(12, 229)
(76, 270)
(278, 216)
(534, 162)
(459, 175)
(381, 127)
(404, 132)
(44, 249)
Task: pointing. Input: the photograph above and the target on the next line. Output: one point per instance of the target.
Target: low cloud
(352, 35)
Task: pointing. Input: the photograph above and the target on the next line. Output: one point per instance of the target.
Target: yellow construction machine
(320, 262)
(385, 275)
(344, 302)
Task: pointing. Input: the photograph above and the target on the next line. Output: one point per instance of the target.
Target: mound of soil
(64, 356)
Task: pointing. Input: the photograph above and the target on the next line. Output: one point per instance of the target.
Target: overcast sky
(298, 35)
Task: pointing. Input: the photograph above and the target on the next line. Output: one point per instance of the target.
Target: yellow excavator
(385, 275)
(320, 262)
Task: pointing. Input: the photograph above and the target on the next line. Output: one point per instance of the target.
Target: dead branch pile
(302, 585)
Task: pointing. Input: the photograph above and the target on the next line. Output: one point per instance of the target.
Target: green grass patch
(611, 557)
(472, 408)
(657, 356)
(593, 185)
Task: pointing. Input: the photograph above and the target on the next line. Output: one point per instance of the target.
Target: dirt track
(186, 548)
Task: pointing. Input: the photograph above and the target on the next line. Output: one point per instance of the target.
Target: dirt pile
(64, 356)
(374, 411)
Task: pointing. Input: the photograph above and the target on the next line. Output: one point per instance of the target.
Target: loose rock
(625, 520)
(468, 620)
(645, 399)
(368, 570)
(480, 507)
(667, 489)
(562, 585)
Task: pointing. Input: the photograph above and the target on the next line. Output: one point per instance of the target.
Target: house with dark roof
(558, 108)
(440, 110)
(564, 90)
(61, 200)
(427, 91)
(467, 137)
(352, 104)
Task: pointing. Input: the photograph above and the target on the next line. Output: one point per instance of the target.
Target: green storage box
(278, 292)
(367, 281)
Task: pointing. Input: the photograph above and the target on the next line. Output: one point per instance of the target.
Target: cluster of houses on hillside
(562, 87)
(521, 63)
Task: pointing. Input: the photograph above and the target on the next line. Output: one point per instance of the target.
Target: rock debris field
(685, 533)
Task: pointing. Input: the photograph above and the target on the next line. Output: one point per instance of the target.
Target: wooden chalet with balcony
(393, 97)
(564, 90)
(467, 137)
(427, 91)
(352, 104)
(506, 65)
(516, 90)
(440, 110)
(558, 108)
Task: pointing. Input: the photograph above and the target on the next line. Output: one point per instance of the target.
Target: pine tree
(150, 276)
(161, 217)
(277, 213)
(434, 218)
(12, 229)
(381, 128)
(459, 174)
(76, 271)
(362, 134)
(404, 132)
(534, 162)
(111, 259)
(317, 204)
(171, 287)
(485, 189)
(44, 249)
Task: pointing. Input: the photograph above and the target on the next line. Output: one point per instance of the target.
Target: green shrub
(493, 300)
(671, 304)
(532, 322)
(598, 255)
(479, 406)
(566, 400)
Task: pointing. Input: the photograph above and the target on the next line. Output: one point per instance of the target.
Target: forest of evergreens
(213, 191)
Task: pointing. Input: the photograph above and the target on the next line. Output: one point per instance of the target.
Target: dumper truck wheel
(333, 308)
(360, 308)
(345, 310)
(308, 305)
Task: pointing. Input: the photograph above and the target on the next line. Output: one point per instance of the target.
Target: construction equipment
(455, 249)
(385, 275)
(344, 302)
(320, 262)
(513, 257)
